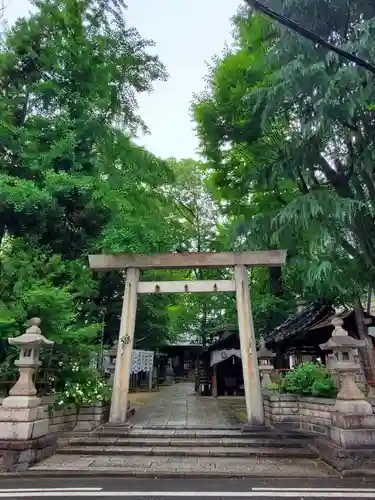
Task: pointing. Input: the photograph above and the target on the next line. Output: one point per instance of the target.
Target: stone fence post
(24, 438)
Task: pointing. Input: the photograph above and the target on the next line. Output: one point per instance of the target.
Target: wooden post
(214, 381)
(253, 391)
(119, 401)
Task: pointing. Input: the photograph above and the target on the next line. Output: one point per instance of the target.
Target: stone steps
(111, 431)
(186, 428)
(194, 451)
(198, 451)
(187, 442)
(150, 433)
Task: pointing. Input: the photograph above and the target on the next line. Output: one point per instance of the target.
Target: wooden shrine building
(220, 366)
(182, 358)
(297, 340)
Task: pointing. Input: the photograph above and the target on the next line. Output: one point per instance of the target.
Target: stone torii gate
(133, 263)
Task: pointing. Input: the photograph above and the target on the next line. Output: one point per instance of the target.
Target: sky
(187, 34)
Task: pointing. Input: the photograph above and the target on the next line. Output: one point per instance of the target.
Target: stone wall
(300, 412)
(18, 455)
(306, 413)
(65, 419)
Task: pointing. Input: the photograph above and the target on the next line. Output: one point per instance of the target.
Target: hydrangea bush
(90, 392)
(80, 386)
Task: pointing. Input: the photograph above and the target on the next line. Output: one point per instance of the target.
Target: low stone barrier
(66, 419)
(300, 412)
(18, 455)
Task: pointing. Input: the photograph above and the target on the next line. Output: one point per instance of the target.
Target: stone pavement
(177, 405)
(190, 466)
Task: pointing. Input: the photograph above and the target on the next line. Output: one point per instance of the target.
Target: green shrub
(85, 388)
(309, 379)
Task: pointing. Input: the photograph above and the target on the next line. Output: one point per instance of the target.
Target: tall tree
(70, 174)
(258, 146)
(69, 77)
(293, 124)
(198, 213)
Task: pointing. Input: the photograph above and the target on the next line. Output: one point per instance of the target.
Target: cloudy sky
(187, 33)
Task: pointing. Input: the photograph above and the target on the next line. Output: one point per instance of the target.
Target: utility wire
(285, 21)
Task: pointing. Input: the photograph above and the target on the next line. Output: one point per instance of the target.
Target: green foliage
(309, 379)
(196, 216)
(70, 78)
(72, 182)
(86, 388)
(37, 283)
(288, 138)
(197, 207)
(286, 129)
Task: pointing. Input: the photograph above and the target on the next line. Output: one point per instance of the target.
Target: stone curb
(156, 474)
(358, 473)
(213, 452)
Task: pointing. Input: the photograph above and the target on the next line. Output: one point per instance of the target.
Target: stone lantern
(265, 358)
(345, 361)
(352, 426)
(112, 354)
(23, 393)
(24, 424)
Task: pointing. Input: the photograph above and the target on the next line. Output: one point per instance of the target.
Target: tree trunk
(276, 281)
(369, 297)
(2, 229)
(367, 352)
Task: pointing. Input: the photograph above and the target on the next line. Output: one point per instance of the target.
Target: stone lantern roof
(263, 352)
(32, 337)
(340, 338)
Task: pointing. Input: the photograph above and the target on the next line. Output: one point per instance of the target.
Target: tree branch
(2, 9)
(348, 247)
(179, 209)
(347, 20)
(338, 181)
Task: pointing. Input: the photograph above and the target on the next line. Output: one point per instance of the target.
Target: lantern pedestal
(24, 438)
(352, 431)
(25, 402)
(350, 445)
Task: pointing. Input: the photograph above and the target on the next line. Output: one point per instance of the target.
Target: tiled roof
(294, 325)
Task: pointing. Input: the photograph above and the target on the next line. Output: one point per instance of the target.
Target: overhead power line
(285, 21)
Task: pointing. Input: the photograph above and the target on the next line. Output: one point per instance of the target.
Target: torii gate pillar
(250, 370)
(119, 402)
